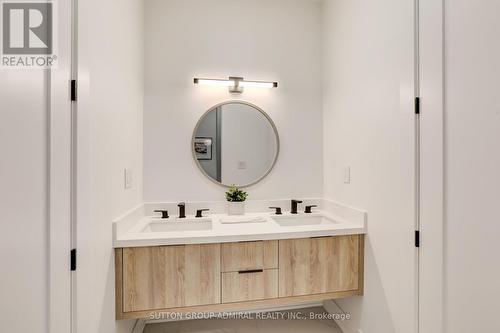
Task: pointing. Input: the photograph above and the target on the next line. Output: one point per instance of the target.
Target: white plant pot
(236, 208)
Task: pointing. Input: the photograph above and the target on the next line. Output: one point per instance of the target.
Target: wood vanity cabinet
(236, 276)
(170, 276)
(249, 285)
(249, 271)
(249, 255)
(319, 265)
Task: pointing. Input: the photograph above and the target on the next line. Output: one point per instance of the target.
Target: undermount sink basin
(302, 220)
(179, 225)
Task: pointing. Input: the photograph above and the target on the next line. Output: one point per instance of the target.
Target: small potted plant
(236, 201)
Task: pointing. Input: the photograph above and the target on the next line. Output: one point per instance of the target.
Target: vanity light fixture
(235, 84)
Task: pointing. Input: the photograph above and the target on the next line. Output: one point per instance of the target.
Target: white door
(35, 141)
(461, 132)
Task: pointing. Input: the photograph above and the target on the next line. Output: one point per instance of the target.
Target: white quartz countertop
(138, 233)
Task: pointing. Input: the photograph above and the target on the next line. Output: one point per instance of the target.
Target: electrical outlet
(347, 175)
(242, 165)
(128, 178)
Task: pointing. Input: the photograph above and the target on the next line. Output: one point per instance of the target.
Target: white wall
(472, 164)
(369, 125)
(110, 139)
(23, 200)
(276, 40)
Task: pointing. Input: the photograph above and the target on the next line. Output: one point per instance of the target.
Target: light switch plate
(347, 175)
(128, 178)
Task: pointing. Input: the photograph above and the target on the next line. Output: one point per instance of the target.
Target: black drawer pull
(251, 271)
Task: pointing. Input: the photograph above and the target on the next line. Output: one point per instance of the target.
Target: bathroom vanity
(168, 261)
(218, 266)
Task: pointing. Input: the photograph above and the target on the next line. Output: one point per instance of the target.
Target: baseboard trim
(332, 307)
(139, 326)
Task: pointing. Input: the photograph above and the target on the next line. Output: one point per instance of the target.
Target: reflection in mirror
(235, 143)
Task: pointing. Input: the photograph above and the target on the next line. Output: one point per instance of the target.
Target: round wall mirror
(235, 143)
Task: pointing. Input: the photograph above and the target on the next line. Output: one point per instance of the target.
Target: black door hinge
(74, 88)
(417, 105)
(73, 260)
(417, 238)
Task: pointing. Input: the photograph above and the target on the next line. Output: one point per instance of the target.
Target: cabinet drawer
(249, 255)
(249, 285)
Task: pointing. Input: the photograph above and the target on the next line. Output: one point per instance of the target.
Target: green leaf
(234, 194)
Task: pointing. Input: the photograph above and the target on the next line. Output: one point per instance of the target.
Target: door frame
(60, 175)
(431, 213)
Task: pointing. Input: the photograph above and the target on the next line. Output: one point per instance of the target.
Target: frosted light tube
(215, 82)
(257, 84)
(236, 84)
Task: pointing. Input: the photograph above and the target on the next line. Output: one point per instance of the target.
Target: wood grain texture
(118, 282)
(361, 264)
(170, 276)
(318, 265)
(240, 287)
(249, 255)
(196, 272)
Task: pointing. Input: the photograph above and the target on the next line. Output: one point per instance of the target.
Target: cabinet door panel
(318, 265)
(170, 276)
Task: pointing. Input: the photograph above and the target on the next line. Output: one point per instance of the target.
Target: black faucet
(164, 213)
(277, 210)
(182, 210)
(199, 212)
(294, 206)
(309, 209)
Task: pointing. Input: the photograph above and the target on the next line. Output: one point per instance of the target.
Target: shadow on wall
(374, 287)
(108, 310)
